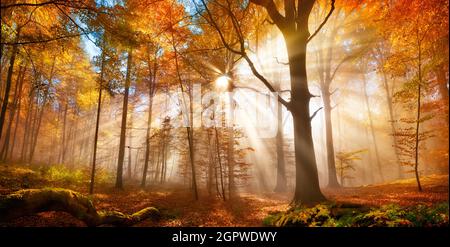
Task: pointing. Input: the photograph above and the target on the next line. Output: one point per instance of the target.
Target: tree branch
(324, 21)
(271, 9)
(5, 6)
(315, 113)
(282, 63)
(43, 41)
(242, 50)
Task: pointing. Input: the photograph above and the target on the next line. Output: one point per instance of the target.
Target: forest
(224, 113)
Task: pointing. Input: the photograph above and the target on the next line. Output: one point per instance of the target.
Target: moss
(32, 201)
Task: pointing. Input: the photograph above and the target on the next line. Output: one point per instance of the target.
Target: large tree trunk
(307, 188)
(33, 201)
(119, 180)
(332, 177)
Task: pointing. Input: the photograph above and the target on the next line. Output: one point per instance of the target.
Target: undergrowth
(385, 216)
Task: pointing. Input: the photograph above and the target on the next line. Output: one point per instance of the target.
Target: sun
(222, 82)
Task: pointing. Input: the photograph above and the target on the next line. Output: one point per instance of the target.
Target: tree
(331, 56)
(419, 26)
(295, 29)
(345, 163)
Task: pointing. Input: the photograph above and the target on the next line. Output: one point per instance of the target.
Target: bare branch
(315, 113)
(347, 58)
(242, 51)
(324, 21)
(283, 63)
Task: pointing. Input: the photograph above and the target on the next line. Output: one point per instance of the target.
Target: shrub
(384, 216)
(59, 173)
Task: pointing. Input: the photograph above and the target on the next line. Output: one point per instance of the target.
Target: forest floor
(179, 209)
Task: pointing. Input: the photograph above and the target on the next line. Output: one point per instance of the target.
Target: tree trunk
(281, 185)
(391, 121)
(332, 177)
(130, 139)
(417, 141)
(219, 159)
(372, 129)
(119, 182)
(307, 188)
(35, 135)
(230, 150)
(26, 131)
(97, 124)
(8, 87)
(17, 95)
(147, 140)
(16, 125)
(416, 147)
(63, 141)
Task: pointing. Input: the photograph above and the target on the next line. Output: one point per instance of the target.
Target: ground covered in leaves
(391, 204)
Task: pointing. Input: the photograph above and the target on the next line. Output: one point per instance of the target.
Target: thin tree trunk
(281, 185)
(63, 141)
(17, 95)
(26, 130)
(332, 178)
(416, 151)
(391, 121)
(35, 135)
(97, 122)
(230, 150)
(147, 140)
(8, 86)
(130, 138)
(220, 163)
(151, 93)
(372, 129)
(210, 171)
(119, 180)
(16, 125)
